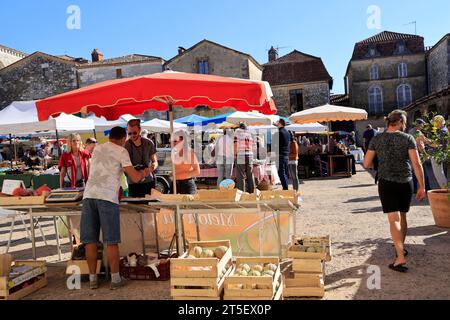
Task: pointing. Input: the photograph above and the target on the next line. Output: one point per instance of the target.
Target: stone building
(9, 56)
(207, 57)
(100, 69)
(299, 81)
(386, 72)
(438, 98)
(37, 76)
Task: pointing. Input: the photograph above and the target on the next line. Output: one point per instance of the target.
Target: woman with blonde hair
(397, 158)
(186, 164)
(74, 164)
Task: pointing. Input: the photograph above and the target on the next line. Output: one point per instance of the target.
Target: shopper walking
(283, 139)
(224, 152)
(396, 152)
(293, 162)
(245, 149)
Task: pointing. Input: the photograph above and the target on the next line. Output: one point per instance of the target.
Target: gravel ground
(346, 209)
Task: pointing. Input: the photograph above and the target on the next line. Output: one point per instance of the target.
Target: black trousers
(139, 190)
(186, 186)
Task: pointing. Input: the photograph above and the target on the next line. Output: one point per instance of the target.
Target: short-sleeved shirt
(108, 161)
(141, 155)
(392, 150)
(368, 135)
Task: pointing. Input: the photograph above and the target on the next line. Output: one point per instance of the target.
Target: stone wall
(388, 80)
(8, 57)
(314, 95)
(439, 66)
(36, 78)
(95, 74)
(222, 62)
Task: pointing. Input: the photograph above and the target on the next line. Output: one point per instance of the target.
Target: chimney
(273, 54)
(96, 55)
(181, 50)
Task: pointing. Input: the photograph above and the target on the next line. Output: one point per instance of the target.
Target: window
(372, 52)
(401, 48)
(404, 95)
(45, 72)
(119, 73)
(296, 100)
(375, 100)
(374, 72)
(402, 70)
(203, 67)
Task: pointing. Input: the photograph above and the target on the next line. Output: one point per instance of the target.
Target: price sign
(10, 185)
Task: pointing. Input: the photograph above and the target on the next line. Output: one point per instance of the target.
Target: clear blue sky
(325, 28)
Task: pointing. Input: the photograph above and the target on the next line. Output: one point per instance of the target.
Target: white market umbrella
(307, 127)
(328, 113)
(101, 124)
(252, 118)
(162, 126)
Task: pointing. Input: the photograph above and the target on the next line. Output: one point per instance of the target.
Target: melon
(268, 273)
(245, 267)
(254, 273)
(198, 252)
(207, 253)
(258, 267)
(220, 251)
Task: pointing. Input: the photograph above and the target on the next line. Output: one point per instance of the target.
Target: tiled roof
(386, 45)
(295, 67)
(132, 58)
(388, 36)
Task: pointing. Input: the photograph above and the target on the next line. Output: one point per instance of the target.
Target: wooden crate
(321, 243)
(19, 201)
(291, 195)
(310, 285)
(83, 265)
(203, 277)
(267, 288)
(233, 195)
(4, 283)
(251, 196)
(307, 266)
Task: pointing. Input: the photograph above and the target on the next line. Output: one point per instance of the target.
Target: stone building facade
(9, 56)
(386, 72)
(299, 81)
(121, 67)
(438, 98)
(37, 76)
(207, 57)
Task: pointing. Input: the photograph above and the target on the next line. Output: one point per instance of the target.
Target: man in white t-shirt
(101, 203)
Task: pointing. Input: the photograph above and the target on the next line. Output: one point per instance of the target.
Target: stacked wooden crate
(308, 267)
(200, 278)
(239, 287)
(17, 284)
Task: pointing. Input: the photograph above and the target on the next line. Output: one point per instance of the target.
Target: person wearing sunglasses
(142, 153)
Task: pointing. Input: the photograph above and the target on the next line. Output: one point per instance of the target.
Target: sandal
(405, 253)
(398, 268)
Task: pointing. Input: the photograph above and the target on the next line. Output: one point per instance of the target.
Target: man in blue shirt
(367, 137)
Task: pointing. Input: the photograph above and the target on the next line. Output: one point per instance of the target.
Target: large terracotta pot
(440, 206)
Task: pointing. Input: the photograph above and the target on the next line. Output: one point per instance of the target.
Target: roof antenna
(415, 26)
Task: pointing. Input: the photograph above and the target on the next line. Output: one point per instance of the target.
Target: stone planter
(440, 206)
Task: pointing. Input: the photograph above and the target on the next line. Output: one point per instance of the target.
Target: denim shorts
(98, 214)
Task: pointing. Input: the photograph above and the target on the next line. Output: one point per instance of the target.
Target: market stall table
(54, 210)
(241, 207)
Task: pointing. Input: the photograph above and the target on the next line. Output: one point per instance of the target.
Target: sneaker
(93, 285)
(118, 285)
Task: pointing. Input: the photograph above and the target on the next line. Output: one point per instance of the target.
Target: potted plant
(440, 198)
